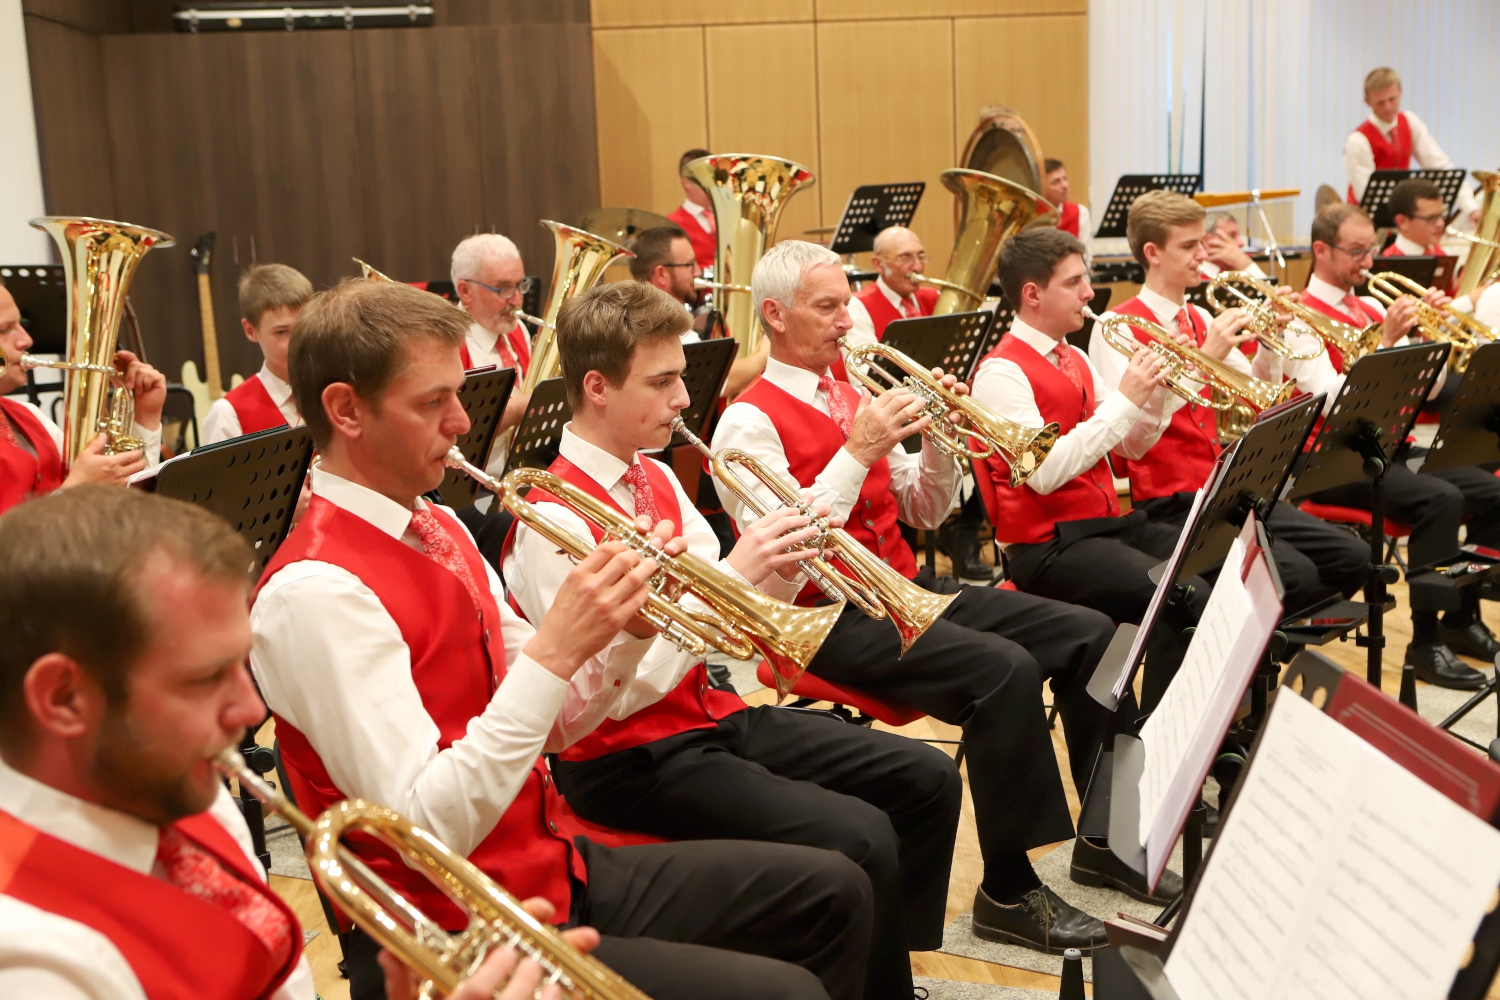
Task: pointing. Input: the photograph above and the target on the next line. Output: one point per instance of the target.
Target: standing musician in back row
(981, 665)
(696, 213)
(1073, 218)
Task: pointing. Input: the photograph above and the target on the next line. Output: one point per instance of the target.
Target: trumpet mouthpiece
(455, 458)
(1090, 314)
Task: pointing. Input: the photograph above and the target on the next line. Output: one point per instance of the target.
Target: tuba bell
(992, 210)
(99, 258)
(748, 193)
(582, 258)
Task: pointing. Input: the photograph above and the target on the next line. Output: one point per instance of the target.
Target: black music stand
(1130, 187)
(871, 208)
(41, 295)
(707, 370)
(1005, 315)
(1374, 410)
(950, 342)
(540, 432)
(1377, 199)
(1099, 304)
(484, 395)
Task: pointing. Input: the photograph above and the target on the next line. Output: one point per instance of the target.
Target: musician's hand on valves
(1142, 376)
(93, 466)
(882, 422)
(762, 548)
(952, 384)
(662, 541)
(146, 384)
(600, 596)
(1400, 317)
(1437, 298)
(1282, 316)
(1227, 332)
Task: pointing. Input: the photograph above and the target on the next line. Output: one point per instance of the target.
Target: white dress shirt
(925, 484)
(44, 956)
(1410, 248)
(703, 216)
(484, 347)
(222, 422)
(1359, 158)
(537, 569)
(863, 331)
(151, 438)
(331, 661)
(1117, 423)
(1488, 309)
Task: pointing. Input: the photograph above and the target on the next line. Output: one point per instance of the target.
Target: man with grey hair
(896, 294)
(1225, 242)
(982, 663)
(491, 281)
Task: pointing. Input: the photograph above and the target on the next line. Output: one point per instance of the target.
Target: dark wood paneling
(455, 12)
(67, 88)
(94, 16)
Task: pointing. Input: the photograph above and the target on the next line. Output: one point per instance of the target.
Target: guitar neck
(210, 339)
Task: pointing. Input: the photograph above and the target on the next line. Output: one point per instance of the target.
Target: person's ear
(344, 409)
(1152, 253)
(251, 334)
(1031, 295)
(61, 698)
(595, 387)
(773, 314)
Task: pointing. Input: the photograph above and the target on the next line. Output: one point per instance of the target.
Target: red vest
(1068, 217)
(179, 946)
(516, 338)
(1390, 154)
(884, 314)
(23, 475)
(811, 439)
(705, 243)
(457, 662)
(1369, 316)
(692, 704)
(1181, 461)
(1022, 514)
(254, 407)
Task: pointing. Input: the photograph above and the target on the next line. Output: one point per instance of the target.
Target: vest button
(552, 825)
(867, 505)
(879, 539)
(486, 636)
(546, 781)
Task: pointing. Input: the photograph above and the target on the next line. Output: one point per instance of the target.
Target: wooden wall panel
(891, 124)
(649, 95)
(762, 85)
(86, 15)
(880, 10)
(67, 88)
(1044, 75)
(644, 13)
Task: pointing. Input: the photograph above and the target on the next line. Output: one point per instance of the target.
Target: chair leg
(1052, 716)
(958, 758)
(1393, 551)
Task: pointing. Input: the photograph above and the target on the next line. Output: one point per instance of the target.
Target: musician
(398, 673)
(696, 213)
(491, 282)
(1225, 244)
(701, 763)
(1343, 240)
(271, 295)
(31, 442)
(1390, 138)
(1165, 231)
(982, 664)
(898, 254)
(128, 869)
(1073, 218)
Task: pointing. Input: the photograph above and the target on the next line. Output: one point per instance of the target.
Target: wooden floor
(967, 866)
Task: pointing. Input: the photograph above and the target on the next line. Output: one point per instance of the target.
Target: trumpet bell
(1024, 448)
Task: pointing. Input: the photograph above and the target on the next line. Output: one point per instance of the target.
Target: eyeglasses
(1432, 219)
(912, 258)
(504, 291)
(692, 263)
(1358, 253)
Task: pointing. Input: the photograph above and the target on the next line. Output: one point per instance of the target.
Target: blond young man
(271, 296)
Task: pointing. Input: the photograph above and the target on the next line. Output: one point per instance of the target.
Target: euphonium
(581, 261)
(1023, 447)
(99, 258)
(1268, 327)
(740, 620)
(441, 958)
(1440, 323)
(748, 193)
(871, 585)
(993, 210)
(1483, 264)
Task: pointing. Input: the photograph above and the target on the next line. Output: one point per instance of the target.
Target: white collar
(1162, 307)
(1326, 293)
(1410, 247)
(1386, 128)
(483, 336)
(124, 839)
(798, 382)
(697, 211)
(278, 390)
(1034, 338)
(602, 467)
(381, 511)
(889, 293)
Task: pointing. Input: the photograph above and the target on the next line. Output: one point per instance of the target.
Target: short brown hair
(71, 582)
(272, 286)
(597, 330)
(1405, 195)
(1049, 165)
(1032, 256)
(1152, 217)
(1379, 79)
(653, 247)
(690, 156)
(1327, 223)
(356, 332)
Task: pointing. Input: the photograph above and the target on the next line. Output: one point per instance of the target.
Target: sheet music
(1163, 589)
(1339, 874)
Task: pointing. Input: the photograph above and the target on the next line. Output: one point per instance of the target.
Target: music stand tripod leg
(1379, 573)
(255, 817)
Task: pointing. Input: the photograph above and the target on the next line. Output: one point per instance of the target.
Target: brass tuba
(992, 210)
(748, 193)
(99, 258)
(1443, 324)
(582, 258)
(442, 959)
(1483, 264)
(740, 620)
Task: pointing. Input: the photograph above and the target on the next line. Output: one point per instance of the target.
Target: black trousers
(744, 920)
(981, 667)
(1481, 492)
(489, 529)
(888, 803)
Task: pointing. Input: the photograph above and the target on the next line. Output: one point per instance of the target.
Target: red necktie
(1354, 308)
(195, 871)
(838, 406)
(909, 308)
(7, 433)
(502, 347)
(441, 549)
(645, 499)
(1069, 367)
(1185, 324)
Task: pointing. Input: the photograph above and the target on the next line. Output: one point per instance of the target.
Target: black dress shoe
(1041, 920)
(1096, 865)
(1436, 664)
(1474, 639)
(718, 677)
(961, 543)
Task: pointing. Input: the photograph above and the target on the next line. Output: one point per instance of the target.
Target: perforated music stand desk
(540, 432)
(1130, 187)
(948, 342)
(41, 295)
(1377, 199)
(871, 208)
(1470, 430)
(483, 397)
(706, 372)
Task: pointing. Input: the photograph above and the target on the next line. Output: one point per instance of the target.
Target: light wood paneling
(644, 13)
(885, 105)
(1036, 65)
(762, 82)
(649, 100)
(871, 10)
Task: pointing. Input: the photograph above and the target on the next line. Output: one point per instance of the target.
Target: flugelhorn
(1440, 323)
(1269, 329)
(739, 620)
(441, 958)
(871, 585)
(1023, 447)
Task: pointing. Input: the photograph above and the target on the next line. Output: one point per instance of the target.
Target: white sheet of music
(1338, 874)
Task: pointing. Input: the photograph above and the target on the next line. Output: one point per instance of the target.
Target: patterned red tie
(909, 308)
(502, 347)
(1185, 325)
(1069, 367)
(443, 550)
(195, 871)
(645, 499)
(1354, 308)
(838, 406)
(7, 433)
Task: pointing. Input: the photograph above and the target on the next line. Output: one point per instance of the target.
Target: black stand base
(262, 761)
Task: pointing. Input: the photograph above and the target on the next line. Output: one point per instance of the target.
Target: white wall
(20, 164)
(1283, 86)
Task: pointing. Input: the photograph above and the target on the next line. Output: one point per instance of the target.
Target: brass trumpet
(1440, 323)
(703, 284)
(740, 620)
(1269, 329)
(442, 959)
(1024, 448)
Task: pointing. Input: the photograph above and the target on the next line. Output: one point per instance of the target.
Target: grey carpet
(949, 989)
(959, 938)
(286, 850)
(741, 672)
(1434, 704)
